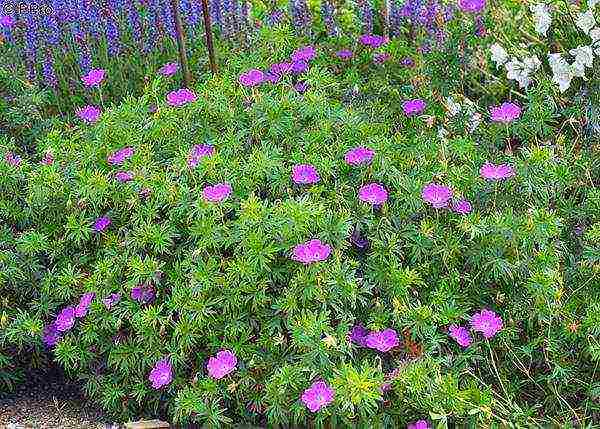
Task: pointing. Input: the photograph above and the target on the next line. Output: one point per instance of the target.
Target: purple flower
(301, 87)
(252, 77)
(93, 78)
(181, 97)
(280, 69)
(51, 335)
(471, 6)
(144, 294)
(311, 251)
(407, 62)
(84, 304)
(161, 374)
(317, 396)
(462, 207)
(89, 114)
(344, 54)
(12, 159)
(381, 57)
(118, 157)
(222, 364)
(124, 176)
(486, 322)
(101, 224)
(169, 69)
(65, 319)
(299, 67)
(413, 107)
(372, 40)
(7, 21)
(112, 299)
(436, 195)
(358, 335)
(198, 152)
(306, 53)
(359, 156)
(216, 193)
(496, 172)
(505, 113)
(382, 340)
(420, 424)
(48, 159)
(305, 174)
(460, 335)
(373, 193)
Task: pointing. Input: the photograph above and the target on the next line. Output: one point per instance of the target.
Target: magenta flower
(471, 6)
(420, 424)
(460, 335)
(371, 40)
(93, 78)
(217, 193)
(306, 53)
(301, 87)
(111, 300)
(317, 396)
(413, 107)
(305, 174)
(118, 157)
(101, 224)
(344, 54)
(272, 77)
(436, 195)
(462, 207)
(373, 193)
(486, 322)
(65, 319)
(12, 159)
(252, 77)
(181, 97)
(280, 69)
(222, 364)
(169, 69)
(505, 113)
(359, 156)
(89, 114)
(161, 374)
(51, 335)
(358, 335)
(198, 152)
(381, 57)
(311, 251)
(124, 176)
(382, 340)
(84, 304)
(299, 67)
(144, 294)
(48, 159)
(491, 171)
(7, 21)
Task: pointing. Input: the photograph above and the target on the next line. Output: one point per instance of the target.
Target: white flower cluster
(462, 105)
(563, 71)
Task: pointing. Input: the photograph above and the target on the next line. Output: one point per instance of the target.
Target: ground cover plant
(339, 229)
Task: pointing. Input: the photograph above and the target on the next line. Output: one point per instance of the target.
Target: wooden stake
(187, 77)
(208, 34)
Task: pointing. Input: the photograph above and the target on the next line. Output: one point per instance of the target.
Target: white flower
(562, 71)
(474, 121)
(542, 18)
(583, 55)
(454, 108)
(532, 64)
(499, 55)
(516, 70)
(592, 3)
(578, 69)
(586, 21)
(595, 34)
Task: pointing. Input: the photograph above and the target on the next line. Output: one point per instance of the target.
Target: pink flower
(420, 424)
(436, 195)
(124, 176)
(460, 335)
(217, 193)
(89, 114)
(358, 335)
(84, 304)
(48, 159)
(161, 374)
(7, 21)
(280, 69)
(93, 78)
(381, 57)
(144, 294)
(181, 97)
(372, 40)
(505, 113)
(344, 54)
(118, 157)
(301, 87)
(101, 224)
(252, 78)
(462, 207)
(169, 69)
(317, 396)
(305, 174)
(299, 67)
(198, 152)
(12, 159)
(373, 193)
(311, 251)
(111, 300)
(471, 6)
(359, 155)
(486, 322)
(306, 53)
(496, 172)
(382, 340)
(65, 319)
(222, 364)
(413, 107)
